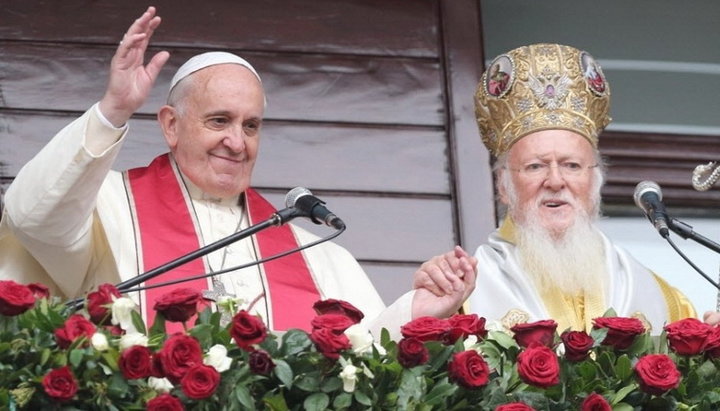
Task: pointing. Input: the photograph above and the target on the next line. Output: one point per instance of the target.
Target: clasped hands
(443, 283)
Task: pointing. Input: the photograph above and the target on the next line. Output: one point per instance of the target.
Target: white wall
(639, 237)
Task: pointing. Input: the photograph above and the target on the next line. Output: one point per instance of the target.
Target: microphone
(649, 198)
(310, 206)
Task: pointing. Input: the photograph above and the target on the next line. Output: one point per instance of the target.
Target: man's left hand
(443, 283)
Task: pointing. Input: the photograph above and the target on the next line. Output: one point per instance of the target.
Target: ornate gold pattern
(514, 317)
(549, 86)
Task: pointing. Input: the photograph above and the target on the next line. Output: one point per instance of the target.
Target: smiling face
(213, 129)
(552, 178)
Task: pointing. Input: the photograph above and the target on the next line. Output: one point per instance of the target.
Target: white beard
(573, 262)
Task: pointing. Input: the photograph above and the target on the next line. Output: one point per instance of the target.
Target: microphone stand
(277, 219)
(686, 231)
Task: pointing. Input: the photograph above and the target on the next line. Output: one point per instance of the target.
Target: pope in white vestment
(72, 223)
(67, 225)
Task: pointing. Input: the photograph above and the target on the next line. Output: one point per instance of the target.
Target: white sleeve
(50, 205)
(393, 317)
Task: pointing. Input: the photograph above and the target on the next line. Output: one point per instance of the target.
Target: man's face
(552, 172)
(215, 133)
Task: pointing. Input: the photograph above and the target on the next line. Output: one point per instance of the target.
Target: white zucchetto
(208, 59)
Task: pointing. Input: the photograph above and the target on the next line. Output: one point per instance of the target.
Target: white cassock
(506, 294)
(67, 224)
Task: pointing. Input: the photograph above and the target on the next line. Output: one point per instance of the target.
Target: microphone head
(646, 187)
(292, 196)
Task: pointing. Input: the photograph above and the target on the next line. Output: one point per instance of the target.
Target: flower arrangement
(103, 357)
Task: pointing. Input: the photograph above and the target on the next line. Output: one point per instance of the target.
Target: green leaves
(285, 374)
(302, 378)
(317, 402)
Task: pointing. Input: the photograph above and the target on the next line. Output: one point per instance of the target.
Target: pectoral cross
(218, 291)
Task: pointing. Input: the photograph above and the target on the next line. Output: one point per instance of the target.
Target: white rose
(470, 342)
(122, 309)
(160, 384)
(360, 338)
(349, 377)
(217, 358)
(495, 325)
(100, 342)
(134, 338)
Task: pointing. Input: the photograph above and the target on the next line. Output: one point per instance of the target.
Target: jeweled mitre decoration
(540, 87)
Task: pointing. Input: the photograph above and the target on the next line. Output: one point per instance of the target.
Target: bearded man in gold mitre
(548, 259)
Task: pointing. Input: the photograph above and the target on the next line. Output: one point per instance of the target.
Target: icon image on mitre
(592, 73)
(500, 76)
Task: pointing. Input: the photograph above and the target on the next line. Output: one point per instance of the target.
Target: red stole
(167, 229)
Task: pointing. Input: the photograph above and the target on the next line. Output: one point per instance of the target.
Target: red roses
(179, 305)
(621, 330)
(688, 336)
(539, 332)
(328, 328)
(338, 323)
(412, 352)
(332, 306)
(657, 374)
(712, 345)
(15, 298)
(446, 331)
(165, 402)
(538, 365)
(136, 362)
(179, 354)
(205, 369)
(98, 303)
(60, 384)
(200, 381)
(330, 342)
(595, 402)
(75, 326)
(426, 329)
(260, 362)
(469, 369)
(514, 406)
(577, 345)
(247, 330)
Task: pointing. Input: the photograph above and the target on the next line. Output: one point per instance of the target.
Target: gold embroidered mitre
(541, 87)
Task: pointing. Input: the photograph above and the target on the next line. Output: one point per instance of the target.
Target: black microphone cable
(240, 267)
(707, 277)
(648, 197)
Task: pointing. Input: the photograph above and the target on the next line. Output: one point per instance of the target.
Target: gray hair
(179, 92)
(177, 96)
(502, 179)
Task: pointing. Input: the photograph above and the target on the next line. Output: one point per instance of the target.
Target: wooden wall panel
(24, 133)
(4, 183)
(390, 161)
(667, 159)
(367, 27)
(385, 229)
(333, 158)
(391, 281)
(299, 87)
(471, 175)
